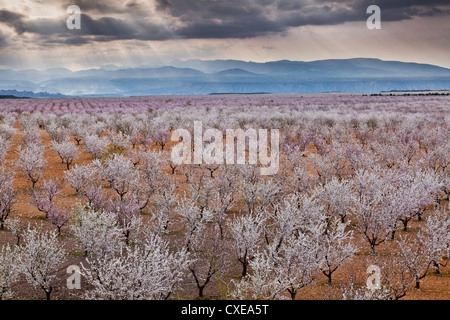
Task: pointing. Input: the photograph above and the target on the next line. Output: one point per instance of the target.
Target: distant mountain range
(228, 76)
(12, 94)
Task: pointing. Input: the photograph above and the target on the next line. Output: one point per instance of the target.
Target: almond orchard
(89, 184)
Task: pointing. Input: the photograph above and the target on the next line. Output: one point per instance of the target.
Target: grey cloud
(162, 5)
(12, 19)
(117, 20)
(9, 16)
(133, 4)
(242, 19)
(101, 30)
(388, 4)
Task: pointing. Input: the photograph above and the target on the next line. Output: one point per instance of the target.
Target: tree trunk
(393, 234)
(48, 292)
(405, 223)
(293, 293)
(328, 275)
(200, 291)
(436, 266)
(244, 269)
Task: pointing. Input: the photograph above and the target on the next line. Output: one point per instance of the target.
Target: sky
(131, 33)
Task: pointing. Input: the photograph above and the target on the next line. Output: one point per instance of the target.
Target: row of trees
(148, 227)
(279, 254)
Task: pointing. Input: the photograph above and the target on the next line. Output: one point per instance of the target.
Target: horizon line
(170, 64)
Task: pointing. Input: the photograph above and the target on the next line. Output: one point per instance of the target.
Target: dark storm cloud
(388, 4)
(162, 5)
(9, 16)
(12, 19)
(102, 26)
(99, 30)
(132, 4)
(242, 19)
(190, 19)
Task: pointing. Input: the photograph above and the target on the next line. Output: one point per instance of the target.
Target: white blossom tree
(67, 151)
(16, 228)
(44, 198)
(127, 216)
(4, 147)
(9, 270)
(163, 203)
(31, 162)
(147, 271)
(192, 218)
(435, 237)
(96, 145)
(263, 283)
(372, 213)
(395, 276)
(7, 194)
(119, 172)
(57, 132)
(80, 177)
(246, 233)
(40, 258)
(59, 217)
(97, 231)
(338, 198)
(209, 257)
(299, 261)
(223, 195)
(336, 248)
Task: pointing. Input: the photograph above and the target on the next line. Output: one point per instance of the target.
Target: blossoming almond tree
(435, 237)
(246, 234)
(7, 194)
(146, 271)
(40, 258)
(81, 176)
(67, 151)
(9, 270)
(210, 257)
(44, 198)
(4, 147)
(119, 172)
(263, 283)
(31, 162)
(97, 231)
(336, 248)
(96, 145)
